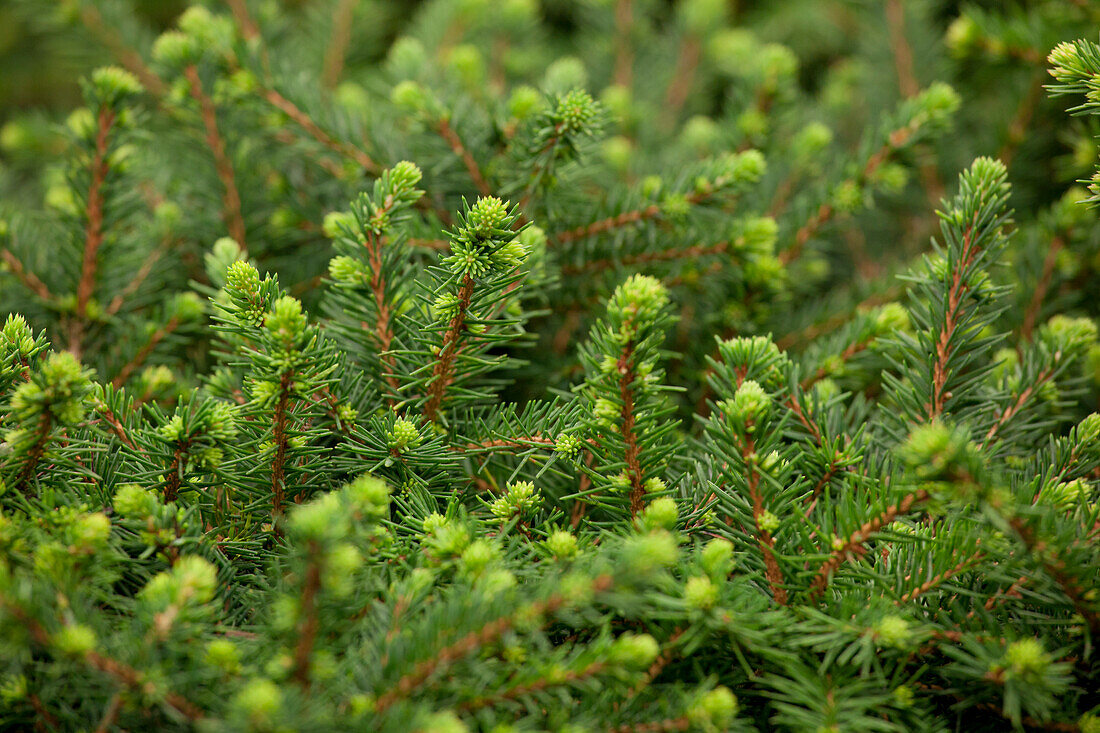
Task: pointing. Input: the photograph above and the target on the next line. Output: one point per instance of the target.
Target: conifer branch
(93, 232)
(1035, 305)
(128, 57)
(625, 368)
(29, 280)
(443, 126)
(282, 441)
(443, 370)
(307, 627)
(1058, 570)
(903, 52)
(955, 294)
(475, 640)
(772, 570)
(895, 141)
(1018, 404)
(231, 197)
(143, 353)
(679, 87)
(624, 47)
(115, 424)
(939, 578)
(642, 258)
(854, 546)
(314, 130)
(339, 38)
(514, 693)
(659, 726)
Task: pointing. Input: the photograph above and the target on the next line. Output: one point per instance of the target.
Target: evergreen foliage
(771, 488)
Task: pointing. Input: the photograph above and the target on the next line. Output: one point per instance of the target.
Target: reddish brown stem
(128, 57)
(278, 463)
(940, 578)
(772, 570)
(231, 197)
(139, 358)
(115, 424)
(903, 52)
(37, 450)
(624, 48)
(472, 642)
(307, 629)
(110, 715)
(304, 121)
(626, 396)
(29, 280)
(93, 231)
(826, 212)
(854, 546)
(1058, 570)
(443, 371)
(172, 479)
(679, 87)
(659, 726)
(849, 351)
(518, 691)
(455, 142)
(676, 253)
(955, 295)
(336, 52)
(1021, 399)
(1031, 315)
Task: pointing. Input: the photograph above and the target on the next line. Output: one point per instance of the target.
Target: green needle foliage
(299, 435)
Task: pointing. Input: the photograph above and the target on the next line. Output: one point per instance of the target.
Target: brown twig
(29, 280)
(231, 197)
(93, 231)
(772, 570)
(473, 641)
(123, 673)
(825, 212)
(903, 52)
(955, 294)
(110, 715)
(659, 726)
(1021, 399)
(443, 126)
(336, 51)
(940, 578)
(626, 395)
(518, 691)
(304, 121)
(307, 629)
(1034, 306)
(624, 48)
(1016, 132)
(130, 59)
(443, 370)
(143, 353)
(854, 546)
(679, 87)
(1058, 570)
(116, 425)
(282, 441)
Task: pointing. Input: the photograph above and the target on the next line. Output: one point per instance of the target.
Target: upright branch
(482, 266)
(443, 369)
(920, 116)
(93, 229)
(459, 148)
(231, 198)
(854, 546)
(627, 421)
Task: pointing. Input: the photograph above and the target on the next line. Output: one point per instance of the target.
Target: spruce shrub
(439, 392)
